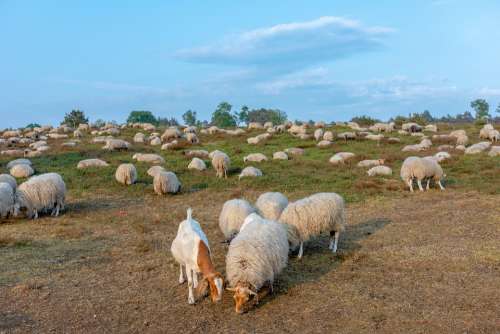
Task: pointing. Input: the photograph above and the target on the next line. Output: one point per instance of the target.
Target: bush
(365, 120)
(75, 118)
(141, 116)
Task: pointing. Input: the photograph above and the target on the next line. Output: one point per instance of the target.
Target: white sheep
(155, 170)
(6, 200)
(126, 174)
(18, 162)
(191, 250)
(166, 183)
(280, 155)
(270, 205)
(116, 144)
(39, 194)
(255, 157)
(192, 138)
(478, 148)
(421, 169)
(341, 158)
(89, 163)
(202, 154)
(233, 215)
(149, 158)
(370, 163)
(313, 215)
(20, 171)
(494, 152)
(155, 141)
(197, 164)
(295, 151)
(379, 170)
(250, 171)
(347, 135)
(324, 143)
(328, 136)
(256, 256)
(221, 164)
(9, 179)
(318, 134)
(171, 133)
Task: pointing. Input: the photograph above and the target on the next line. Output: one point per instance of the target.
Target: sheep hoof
(191, 301)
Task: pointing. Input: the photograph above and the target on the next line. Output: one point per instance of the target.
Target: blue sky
(326, 60)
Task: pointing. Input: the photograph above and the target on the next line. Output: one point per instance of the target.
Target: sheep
(268, 125)
(250, 172)
(13, 153)
(190, 129)
(18, 162)
(313, 215)
(270, 205)
(170, 146)
(255, 157)
(370, 163)
(192, 138)
(324, 143)
(393, 140)
(149, 158)
(431, 128)
(295, 151)
(155, 170)
(213, 153)
(233, 215)
(202, 154)
(318, 134)
(89, 163)
(236, 132)
(411, 127)
(6, 199)
(478, 148)
(9, 179)
(297, 130)
(171, 133)
(39, 194)
(126, 174)
(116, 144)
(197, 164)
(420, 169)
(255, 125)
(377, 138)
(191, 250)
(280, 155)
(166, 183)
(382, 127)
(20, 171)
(347, 135)
(77, 134)
(256, 256)
(328, 135)
(101, 139)
(441, 156)
(341, 158)
(221, 164)
(139, 137)
(155, 141)
(379, 170)
(494, 152)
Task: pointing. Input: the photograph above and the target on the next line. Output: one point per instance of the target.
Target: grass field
(421, 262)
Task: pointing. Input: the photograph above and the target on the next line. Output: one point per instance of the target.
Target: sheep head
(242, 295)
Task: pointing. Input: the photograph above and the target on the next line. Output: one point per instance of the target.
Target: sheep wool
(9, 179)
(258, 254)
(478, 148)
(116, 144)
(221, 164)
(233, 215)
(166, 183)
(6, 199)
(280, 155)
(250, 171)
(270, 205)
(379, 170)
(370, 163)
(155, 170)
(126, 174)
(318, 134)
(494, 152)
(89, 163)
(20, 171)
(149, 158)
(197, 164)
(18, 162)
(255, 157)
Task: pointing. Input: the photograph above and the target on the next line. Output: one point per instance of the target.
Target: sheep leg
(419, 182)
(410, 184)
(182, 279)
(189, 274)
(35, 214)
(440, 185)
(334, 240)
(301, 250)
(195, 279)
(225, 173)
(428, 182)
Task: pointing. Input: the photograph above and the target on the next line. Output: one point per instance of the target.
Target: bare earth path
(421, 263)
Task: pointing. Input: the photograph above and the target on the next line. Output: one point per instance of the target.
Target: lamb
(280, 155)
(197, 164)
(166, 183)
(6, 200)
(250, 171)
(370, 163)
(256, 256)
(126, 174)
(313, 215)
(20, 171)
(191, 250)
(221, 164)
(270, 205)
(149, 158)
(420, 169)
(255, 157)
(18, 162)
(89, 163)
(116, 144)
(9, 179)
(341, 158)
(379, 170)
(40, 194)
(233, 215)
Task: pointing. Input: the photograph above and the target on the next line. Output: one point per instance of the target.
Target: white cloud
(488, 92)
(297, 44)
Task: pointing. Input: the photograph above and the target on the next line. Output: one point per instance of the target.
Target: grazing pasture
(407, 262)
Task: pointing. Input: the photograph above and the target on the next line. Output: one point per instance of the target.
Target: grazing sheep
(318, 134)
(377, 138)
(155, 170)
(139, 137)
(236, 132)
(431, 128)
(445, 147)
(166, 183)
(295, 151)
(411, 127)
(77, 134)
(192, 138)
(202, 154)
(347, 135)
(324, 143)
(197, 164)
(39, 194)
(233, 215)
(18, 162)
(379, 170)
(9, 179)
(255, 157)
(441, 156)
(328, 136)
(494, 152)
(370, 163)
(460, 148)
(191, 250)
(341, 158)
(171, 133)
(313, 215)
(116, 144)
(256, 256)
(170, 146)
(13, 153)
(221, 164)
(88, 163)
(126, 174)
(155, 141)
(421, 169)
(6, 200)
(270, 205)
(478, 148)
(213, 153)
(296, 130)
(382, 127)
(393, 140)
(20, 171)
(149, 158)
(268, 125)
(250, 172)
(412, 148)
(280, 155)
(255, 125)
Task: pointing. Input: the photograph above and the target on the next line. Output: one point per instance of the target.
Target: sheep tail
(189, 213)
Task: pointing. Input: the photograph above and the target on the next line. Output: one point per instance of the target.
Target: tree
(243, 115)
(263, 115)
(482, 108)
(141, 116)
(498, 109)
(167, 121)
(99, 123)
(222, 116)
(365, 120)
(74, 118)
(189, 117)
(33, 125)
